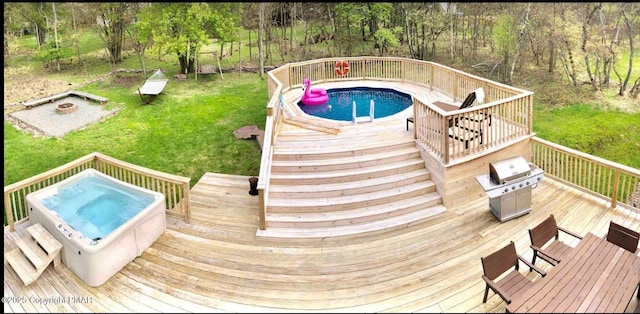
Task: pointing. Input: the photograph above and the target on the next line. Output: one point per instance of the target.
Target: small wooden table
(596, 276)
(446, 106)
(442, 105)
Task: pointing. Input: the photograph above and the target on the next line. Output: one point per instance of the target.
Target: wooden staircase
(34, 254)
(365, 179)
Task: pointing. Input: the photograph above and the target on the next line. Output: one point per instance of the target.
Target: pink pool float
(313, 97)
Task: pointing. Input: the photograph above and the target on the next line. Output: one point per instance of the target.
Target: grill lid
(509, 170)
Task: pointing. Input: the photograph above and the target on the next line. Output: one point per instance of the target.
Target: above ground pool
(387, 102)
(103, 223)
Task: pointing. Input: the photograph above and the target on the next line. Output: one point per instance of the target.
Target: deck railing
(175, 188)
(510, 107)
(274, 113)
(611, 181)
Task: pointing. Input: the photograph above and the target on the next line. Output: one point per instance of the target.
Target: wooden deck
(218, 264)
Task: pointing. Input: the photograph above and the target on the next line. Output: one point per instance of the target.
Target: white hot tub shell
(97, 261)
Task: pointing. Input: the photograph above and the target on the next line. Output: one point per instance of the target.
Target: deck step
(365, 179)
(346, 175)
(34, 253)
(395, 222)
(341, 163)
(331, 150)
(50, 244)
(347, 188)
(349, 201)
(353, 216)
(21, 265)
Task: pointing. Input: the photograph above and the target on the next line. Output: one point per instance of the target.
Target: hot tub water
(95, 206)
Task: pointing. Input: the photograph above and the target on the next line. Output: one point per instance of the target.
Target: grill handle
(514, 180)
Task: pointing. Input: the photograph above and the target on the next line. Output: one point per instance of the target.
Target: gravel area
(46, 120)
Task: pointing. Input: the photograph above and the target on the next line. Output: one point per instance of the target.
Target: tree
(260, 31)
(424, 24)
(504, 38)
(630, 26)
(589, 10)
(141, 33)
(55, 32)
(566, 51)
(112, 21)
(183, 28)
(349, 17)
(34, 13)
(385, 39)
(520, 36)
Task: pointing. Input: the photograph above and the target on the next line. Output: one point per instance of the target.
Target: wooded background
(585, 45)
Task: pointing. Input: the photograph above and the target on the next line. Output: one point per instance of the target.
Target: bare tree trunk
(292, 19)
(552, 42)
(250, 50)
(6, 51)
(608, 52)
(585, 39)
(260, 30)
(406, 29)
(568, 62)
(452, 41)
(55, 33)
(523, 27)
(77, 44)
(240, 43)
(630, 29)
(474, 40)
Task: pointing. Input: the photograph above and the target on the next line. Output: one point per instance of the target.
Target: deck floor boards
(217, 263)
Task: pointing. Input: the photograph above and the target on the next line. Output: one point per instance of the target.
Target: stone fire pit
(65, 108)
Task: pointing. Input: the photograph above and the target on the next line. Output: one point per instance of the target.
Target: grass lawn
(610, 134)
(183, 133)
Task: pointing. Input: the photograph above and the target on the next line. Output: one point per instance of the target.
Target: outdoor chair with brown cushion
(513, 283)
(623, 237)
(545, 232)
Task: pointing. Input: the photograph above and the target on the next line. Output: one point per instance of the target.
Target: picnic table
(595, 277)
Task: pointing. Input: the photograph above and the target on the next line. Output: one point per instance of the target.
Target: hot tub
(103, 223)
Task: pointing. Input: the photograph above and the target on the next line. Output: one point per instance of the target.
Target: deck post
(262, 223)
(614, 189)
(8, 210)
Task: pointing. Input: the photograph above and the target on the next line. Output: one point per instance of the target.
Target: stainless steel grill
(508, 185)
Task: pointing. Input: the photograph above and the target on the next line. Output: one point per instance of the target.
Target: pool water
(96, 206)
(387, 102)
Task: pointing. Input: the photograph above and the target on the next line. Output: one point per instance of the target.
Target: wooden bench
(85, 96)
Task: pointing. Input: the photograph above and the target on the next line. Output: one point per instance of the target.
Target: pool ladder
(34, 254)
(369, 118)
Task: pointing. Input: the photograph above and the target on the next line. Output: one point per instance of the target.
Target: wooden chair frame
(542, 234)
(498, 263)
(623, 237)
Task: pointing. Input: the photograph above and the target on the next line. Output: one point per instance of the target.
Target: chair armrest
(545, 254)
(569, 233)
(497, 289)
(540, 271)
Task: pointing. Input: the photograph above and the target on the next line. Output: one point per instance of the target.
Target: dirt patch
(127, 81)
(19, 90)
